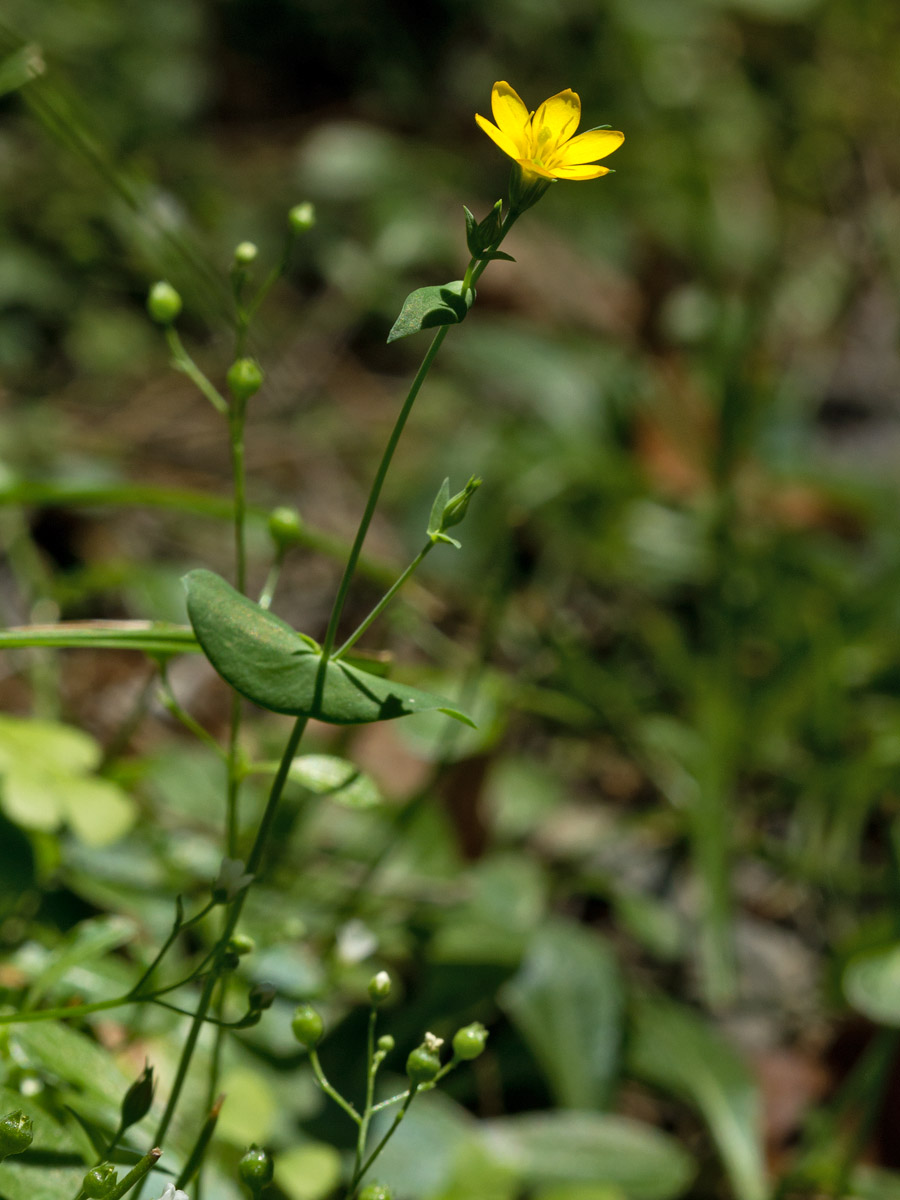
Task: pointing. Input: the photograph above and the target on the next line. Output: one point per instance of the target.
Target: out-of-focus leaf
(87, 942)
(554, 1148)
(567, 1003)
(872, 984)
(308, 1172)
(336, 778)
(66, 1054)
(674, 1049)
(267, 661)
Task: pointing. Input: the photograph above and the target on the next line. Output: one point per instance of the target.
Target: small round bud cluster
(376, 1191)
(379, 987)
(99, 1181)
(307, 1026)
(470, 1041)
(424, 1062)
(256, 1169)
(285, 527)
(16, 1133)
(302, 217)
(244, 378)
(244, 254)
(163, 303)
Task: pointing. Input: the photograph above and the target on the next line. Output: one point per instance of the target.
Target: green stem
(234, 913)
(358, 1174)
(329, 1089)
(184, 363)
(384, 601)
(375, 492)
(370, 1095)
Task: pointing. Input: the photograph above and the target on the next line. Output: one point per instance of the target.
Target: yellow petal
(510, 114)
(581, 172)
(588, 147)
(506, 144)
(532, 168)
(555, 121)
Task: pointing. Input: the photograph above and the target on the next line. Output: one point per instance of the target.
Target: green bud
(244, 379)
(302, 217)
(470, 1041)
(481, 235)
(376, 1191)
(261, 996)
(423, 1063)
(386, 1043)
(285, 527)
(244, 254)
(163, 303)
(99, 1181)
(256, 1169)
(307, 1026)
(137, 1100)
(16, 1133)
(379, 987)
(229, 960)
(240, 944)
(448, 510)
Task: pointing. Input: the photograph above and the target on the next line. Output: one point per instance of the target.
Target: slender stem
(234, 913)
(171, 704)
(187, 366)
(358, 1175)
(329, 1089)
(370, 1095)
(266, 595)
(375, 492)
(384, 601)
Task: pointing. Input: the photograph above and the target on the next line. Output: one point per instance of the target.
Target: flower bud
(261, 996)
(16, 1133)
(285, 527)
(99, 1181)
(163, 303)
(385, 1043)
(525, 189)
(470, 1041)
(244, 254)
(244, 379)
(256, 1169)
(379, 987)
(423, 1063)
(302, 217)
(240, 944)
(376, 1191)
(137, 1100)
(307, 1026)
(447, 510)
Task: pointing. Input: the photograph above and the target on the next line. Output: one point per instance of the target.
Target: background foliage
(664, 871)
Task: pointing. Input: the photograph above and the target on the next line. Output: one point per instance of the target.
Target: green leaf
(676, 1050)
(87, 942)
(428, 307)
(553, 1148)
(52, 1169)
(308, 1172)
(267, 661)
(567, 1003)
(436, 516)
(336, 778)
(872, 984)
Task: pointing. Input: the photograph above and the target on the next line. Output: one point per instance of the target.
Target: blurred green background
(665, 872)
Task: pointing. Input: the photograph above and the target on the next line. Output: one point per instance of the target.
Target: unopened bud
(379, 987)
(307, 1026)
(470, 1041)
(285, 527)
(302, 217)
(423, 1063)
(261, 996)
(385, 1043)
(244, 254)
(163, 303)
(244, 379)
(240, 944)
(137, 1100)
(256, 1169)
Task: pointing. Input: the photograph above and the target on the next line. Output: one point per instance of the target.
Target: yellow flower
(544, 143)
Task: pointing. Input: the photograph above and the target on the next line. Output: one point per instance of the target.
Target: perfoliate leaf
(428, 307)
(267, 661)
